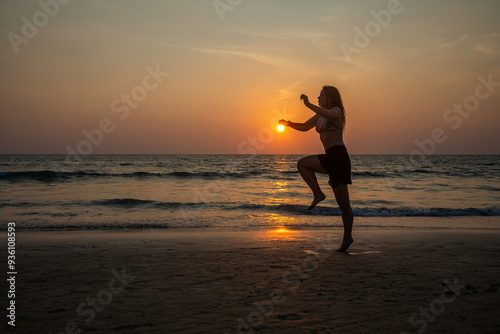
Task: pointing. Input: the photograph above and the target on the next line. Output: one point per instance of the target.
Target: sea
(101, 192)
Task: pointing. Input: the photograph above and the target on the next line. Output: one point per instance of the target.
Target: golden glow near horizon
(186, 77)
(283, 234)
(280, 128)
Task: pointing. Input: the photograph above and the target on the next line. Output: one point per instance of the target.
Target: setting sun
(281, 128)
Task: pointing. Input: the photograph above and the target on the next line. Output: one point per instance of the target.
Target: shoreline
(253, 229)
(271, 220)
(306, 227)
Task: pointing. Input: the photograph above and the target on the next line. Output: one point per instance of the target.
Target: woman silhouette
(329, 120)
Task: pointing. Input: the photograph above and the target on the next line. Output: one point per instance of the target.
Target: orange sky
(405, 71)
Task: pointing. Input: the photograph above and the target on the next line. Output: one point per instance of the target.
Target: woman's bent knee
(301, 163)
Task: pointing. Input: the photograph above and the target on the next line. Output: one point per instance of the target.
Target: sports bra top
(326, 125)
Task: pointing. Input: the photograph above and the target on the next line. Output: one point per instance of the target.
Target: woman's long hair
(334, 100)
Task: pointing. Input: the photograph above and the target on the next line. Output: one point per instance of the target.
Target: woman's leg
(342, 196)
(307, 167)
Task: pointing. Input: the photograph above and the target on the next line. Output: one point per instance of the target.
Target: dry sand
(260, 281)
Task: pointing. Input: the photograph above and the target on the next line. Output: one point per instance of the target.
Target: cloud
(249, 54)
(318, 39)
(286, 92)
(259, 55)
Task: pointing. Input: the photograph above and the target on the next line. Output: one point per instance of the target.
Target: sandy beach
(257, 281)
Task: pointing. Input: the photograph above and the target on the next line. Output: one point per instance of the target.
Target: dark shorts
(337, 163)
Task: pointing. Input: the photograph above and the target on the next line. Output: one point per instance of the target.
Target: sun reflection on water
(278, 187)
(274, 219)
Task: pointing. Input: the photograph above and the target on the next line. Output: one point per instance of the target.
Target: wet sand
(257, 281)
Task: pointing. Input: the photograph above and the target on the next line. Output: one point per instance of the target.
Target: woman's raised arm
(333, 113)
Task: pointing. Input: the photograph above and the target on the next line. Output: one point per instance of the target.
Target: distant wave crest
(134, 202)
(264, 172)
(295, 209)
(377, 211)
(53, 176)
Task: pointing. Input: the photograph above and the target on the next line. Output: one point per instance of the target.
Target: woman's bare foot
(345, 245)
(316, 200)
